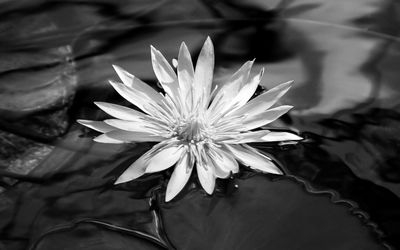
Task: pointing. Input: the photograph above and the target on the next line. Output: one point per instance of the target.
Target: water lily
(194, 125)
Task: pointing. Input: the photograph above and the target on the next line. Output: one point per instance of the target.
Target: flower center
(193, 131)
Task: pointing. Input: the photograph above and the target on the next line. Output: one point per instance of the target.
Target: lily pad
(265, 213)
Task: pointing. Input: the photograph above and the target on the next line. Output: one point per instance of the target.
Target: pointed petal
(164, 73)
(128, 94)
(206, 177)
(129, 136)
(125, 76)
(179, 177)
(134, 171)
(148, 105)
(120, 112)
(161, 67)
(165, 158)
(228, 108)
(136, 126)
(96, 125)
(137, 169)
(224, 163)
(254, 159)
(146, 98)
(231, 88)
(136, 84)
(106, 139)
(239, 78)
(281, 136)
(185, 74)
(247, 91)
(247, 137)
(221, 172)
(265, 117)
(265, 100)
(203, 75)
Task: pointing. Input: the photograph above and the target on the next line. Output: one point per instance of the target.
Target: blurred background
(344, 55)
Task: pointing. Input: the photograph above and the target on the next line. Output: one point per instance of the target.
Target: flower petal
(185, 75)
(247, 137)
(223, 162)
(247, 91)
(265, 117)
(265, 100)
(203, 75)
(239, 78)
(281, 136)
(254, 159)
(165, 158)
(137, 169)
(164, 73)
(106, 139)
(96, 125)
(129, 136)
(120, 112)
(136, 84)
(179, 177)
(130, 95)
(136, 126)
(134, 171)
(239, 100)
(206, 176)
(151, 101)
(231, 88)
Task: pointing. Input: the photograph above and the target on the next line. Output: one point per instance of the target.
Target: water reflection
(56, 60)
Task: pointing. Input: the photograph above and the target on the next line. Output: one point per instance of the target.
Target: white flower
(194, 125)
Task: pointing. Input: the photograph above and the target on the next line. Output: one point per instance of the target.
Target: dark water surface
(56, 185)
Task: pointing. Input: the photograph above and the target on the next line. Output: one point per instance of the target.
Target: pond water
(56, 59)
